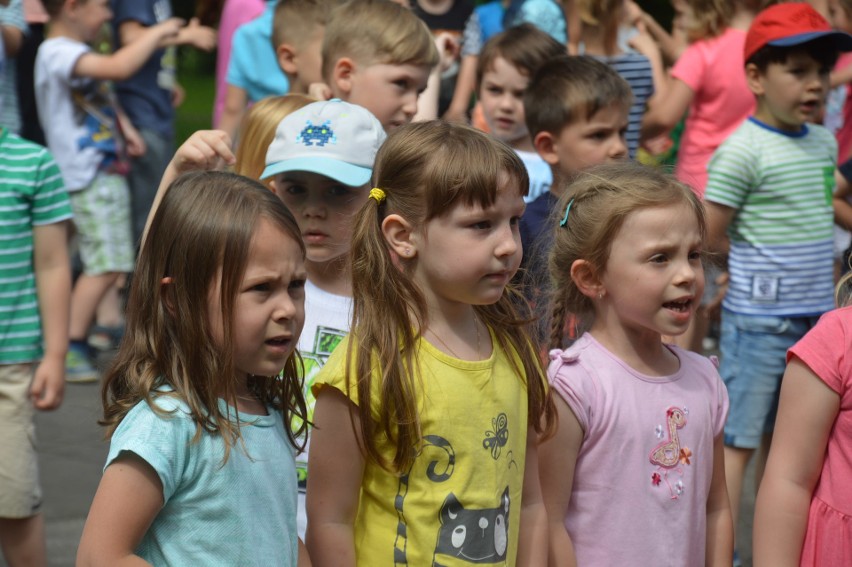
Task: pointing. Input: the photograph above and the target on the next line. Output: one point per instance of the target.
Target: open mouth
(280, 342)
(679, 306)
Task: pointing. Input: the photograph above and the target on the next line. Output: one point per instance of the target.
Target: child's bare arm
(236, 99)
(665, 110)
(125, 62)
(840, 201)
(135, 143)
(335, 472)
(807, 411)
(719, 218)
(720, 526)
(465, 85)
(128, 499)
(532, 539)
(53, 283)
(304, 559)
(193, 33)
(557, 458)
(205, 149)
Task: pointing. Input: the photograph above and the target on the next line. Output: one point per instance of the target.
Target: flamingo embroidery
(669, 454)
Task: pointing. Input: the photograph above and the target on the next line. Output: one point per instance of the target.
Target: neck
(60, 27)
(595, 41)
(458, 332)
(523, 144)
(333, 276)
(246, 402)
(743, 15)
(643, 352)
(435, 7)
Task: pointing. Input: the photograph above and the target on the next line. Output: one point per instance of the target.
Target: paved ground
(72, 454)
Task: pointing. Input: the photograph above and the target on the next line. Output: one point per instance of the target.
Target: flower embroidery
(685, 453)
(656, 479)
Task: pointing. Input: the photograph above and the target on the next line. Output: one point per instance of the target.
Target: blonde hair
(377, 32)
(201, 233)
(709, 18)
(843, 291)
(425, 169)
(601, 199)
(295, 21)
(258, 130)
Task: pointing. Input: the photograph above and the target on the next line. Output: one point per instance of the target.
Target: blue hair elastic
(567, 210)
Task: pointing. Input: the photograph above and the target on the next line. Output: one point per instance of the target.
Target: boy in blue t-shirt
(769, 206)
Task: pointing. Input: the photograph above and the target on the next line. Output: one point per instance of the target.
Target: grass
(196, 74)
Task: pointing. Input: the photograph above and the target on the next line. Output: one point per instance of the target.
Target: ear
(586, 279)
(545, 145)
(754, 79)
(341, 77)
(287, 59)
(399, 234)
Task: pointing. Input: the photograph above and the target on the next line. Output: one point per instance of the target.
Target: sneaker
(78, 368)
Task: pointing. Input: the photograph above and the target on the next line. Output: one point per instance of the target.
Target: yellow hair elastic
(377, 194)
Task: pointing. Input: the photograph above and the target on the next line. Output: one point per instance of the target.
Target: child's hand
(48, 383)
(645, 44)
(320, 91)
(169, 28)
(135, 143)
(198, 36)
(204, 150)
(178, 95)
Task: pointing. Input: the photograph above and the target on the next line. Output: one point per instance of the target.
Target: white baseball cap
(332, 138)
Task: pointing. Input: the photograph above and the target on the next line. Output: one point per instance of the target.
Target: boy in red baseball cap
(769, 208)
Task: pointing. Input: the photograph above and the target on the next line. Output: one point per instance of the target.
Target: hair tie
(377, 194)
(567, 210)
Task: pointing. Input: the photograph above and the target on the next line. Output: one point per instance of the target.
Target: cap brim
(346, 173)
(842, 40)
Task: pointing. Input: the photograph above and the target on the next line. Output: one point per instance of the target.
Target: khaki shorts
(20, 493)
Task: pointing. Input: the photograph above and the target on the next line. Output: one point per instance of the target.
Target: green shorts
(20, 493)
(102, 217)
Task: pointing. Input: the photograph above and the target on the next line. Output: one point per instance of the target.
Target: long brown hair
(425, 169)
(601, 199)
(201, 231)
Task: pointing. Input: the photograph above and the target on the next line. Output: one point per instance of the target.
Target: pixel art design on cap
(313, 135)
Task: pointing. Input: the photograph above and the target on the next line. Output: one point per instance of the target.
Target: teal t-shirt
(242, 513)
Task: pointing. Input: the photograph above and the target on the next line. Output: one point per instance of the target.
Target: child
(643, 70)
(576, 110)
(234, 13)
(298, 31)
(804, 503)
(151, 93)
(702, 83)
(78, 114)
(253, 72)
(769, 206)
(13, 27)
(440, 462)
(507, 63)
(35, 293)
(200, 468)
(635, 472)
(378, 55)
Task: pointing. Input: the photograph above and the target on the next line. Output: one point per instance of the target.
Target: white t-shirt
(65, 130)
(327, 319)
(540, 174)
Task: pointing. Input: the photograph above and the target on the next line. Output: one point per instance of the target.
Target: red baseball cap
(789, 24)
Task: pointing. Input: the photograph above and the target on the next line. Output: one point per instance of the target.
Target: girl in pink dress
(804, 508)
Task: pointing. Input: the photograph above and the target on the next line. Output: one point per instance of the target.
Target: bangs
(471, 170)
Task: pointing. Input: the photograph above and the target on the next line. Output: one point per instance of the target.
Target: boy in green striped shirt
(35, 294)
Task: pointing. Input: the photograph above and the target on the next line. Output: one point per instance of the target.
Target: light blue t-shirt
(242, 513)
(541, 176)
(254, 64)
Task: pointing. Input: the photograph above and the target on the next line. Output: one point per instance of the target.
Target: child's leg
(21, 525)
(22, 541)
(85, 298)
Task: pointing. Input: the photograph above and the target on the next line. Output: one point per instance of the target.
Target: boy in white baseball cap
(320, 164)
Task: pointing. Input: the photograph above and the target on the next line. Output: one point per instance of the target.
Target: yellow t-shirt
(460, 502)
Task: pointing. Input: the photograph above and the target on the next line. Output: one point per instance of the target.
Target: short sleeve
(691, 66)
(13, 16)
(333, 373)
(824, 349)
(731, 174)
(50, 200)
(472, 37)
(162, 441)
(573, 384)
(236, 75)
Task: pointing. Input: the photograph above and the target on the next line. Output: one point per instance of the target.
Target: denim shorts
(754, 351)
